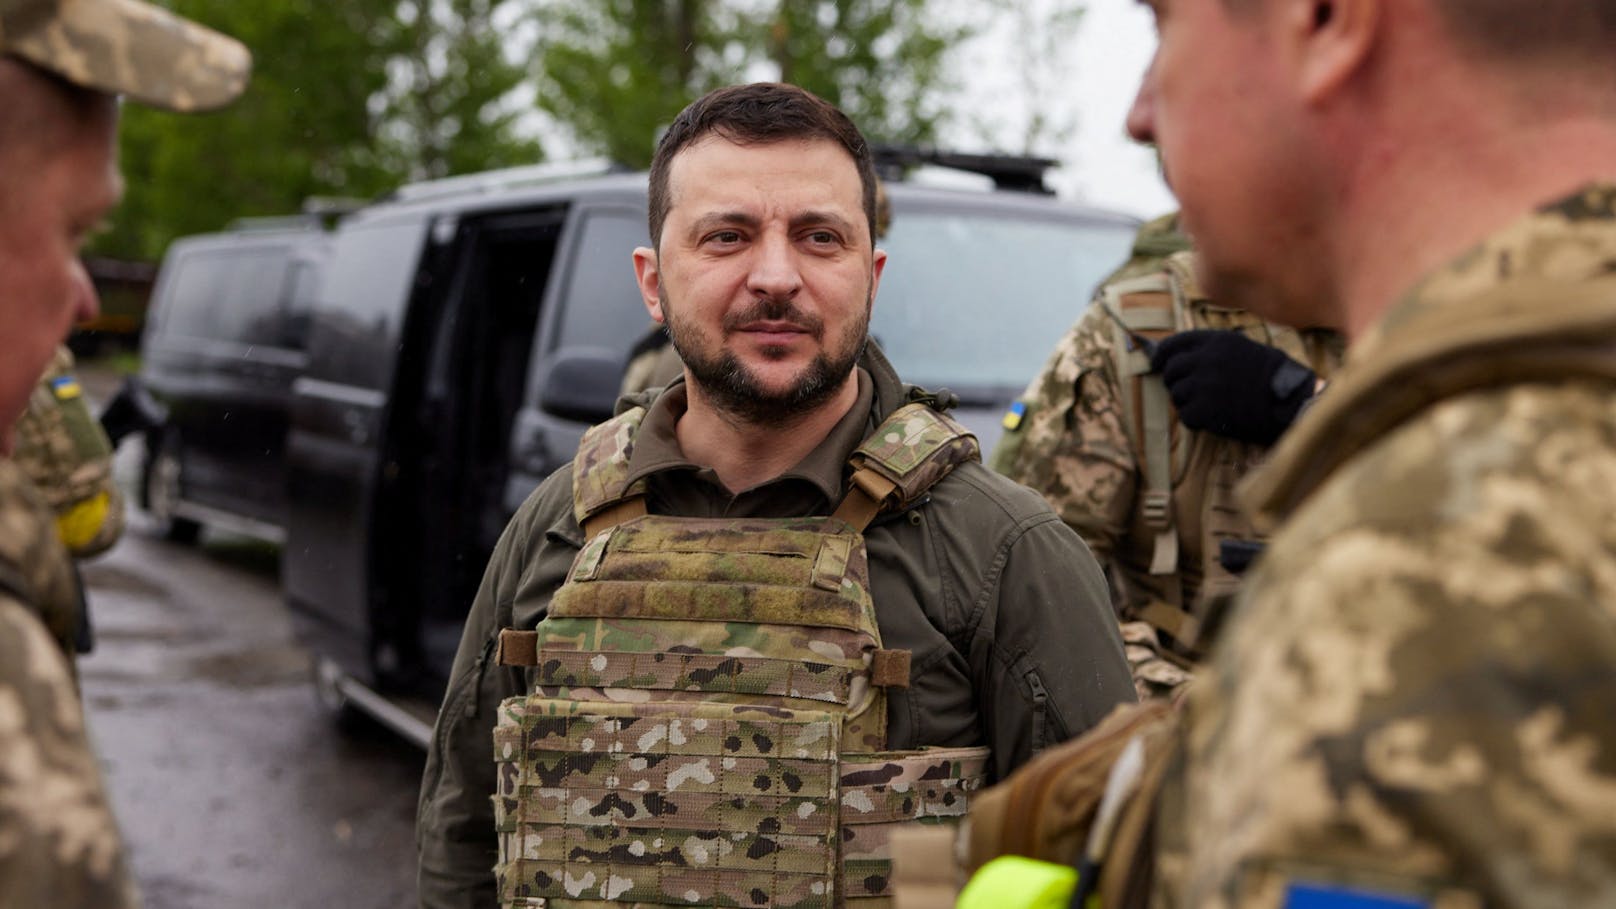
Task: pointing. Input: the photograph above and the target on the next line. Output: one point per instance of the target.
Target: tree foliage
(346, 99)
(615, 71)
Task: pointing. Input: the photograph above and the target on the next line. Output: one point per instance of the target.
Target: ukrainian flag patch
(1324, 896)
(1014, 416)
(66, 388)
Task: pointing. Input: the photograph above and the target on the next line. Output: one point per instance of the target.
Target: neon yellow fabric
(1017, 882)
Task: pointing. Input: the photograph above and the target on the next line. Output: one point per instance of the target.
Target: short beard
(736, 391)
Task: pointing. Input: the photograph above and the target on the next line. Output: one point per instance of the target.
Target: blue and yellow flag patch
(1327, 896)
(1014, 416)
(66, 388)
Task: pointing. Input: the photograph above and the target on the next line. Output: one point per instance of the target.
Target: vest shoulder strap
(1151, 307)
(912, 449)
(600, 480)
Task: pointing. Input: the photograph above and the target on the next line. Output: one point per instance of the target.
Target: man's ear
(1333, 39)
(648, 274)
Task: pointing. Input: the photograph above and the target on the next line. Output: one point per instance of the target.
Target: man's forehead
(746, 166)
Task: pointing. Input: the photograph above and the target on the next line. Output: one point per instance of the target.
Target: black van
(467, 331)
(224, 340)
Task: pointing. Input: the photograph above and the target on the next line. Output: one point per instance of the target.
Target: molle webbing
(706, 725)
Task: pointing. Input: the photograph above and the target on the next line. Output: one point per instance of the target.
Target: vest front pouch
(705, 725)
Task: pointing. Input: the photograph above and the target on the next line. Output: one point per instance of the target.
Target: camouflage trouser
(1155, 675)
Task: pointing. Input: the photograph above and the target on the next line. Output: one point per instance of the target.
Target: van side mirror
(581, 384)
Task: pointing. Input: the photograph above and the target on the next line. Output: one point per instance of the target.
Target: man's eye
(725, 236)
(822, 237)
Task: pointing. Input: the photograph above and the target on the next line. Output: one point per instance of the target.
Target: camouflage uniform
(1005, 616)
(64, 451)
(1413, 696)
(58, 843)
(1077, 445)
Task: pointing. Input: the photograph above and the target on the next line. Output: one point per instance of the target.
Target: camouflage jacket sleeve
(455, 820)
(66, 454)
(1074, 449)
(1414, 696)
(60, 845)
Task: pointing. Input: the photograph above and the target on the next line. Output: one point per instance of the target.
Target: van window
(229, 295)
(603, 306)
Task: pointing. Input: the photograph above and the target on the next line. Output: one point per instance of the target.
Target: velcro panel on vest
(666, 804)
(517, 648)
(600, 471)
(704, 672)
(882, 793)
(913, 449)
(890, 668)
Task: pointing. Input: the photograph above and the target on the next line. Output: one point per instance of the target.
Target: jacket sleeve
(1046, 654)
(455, 840)
(1075, 449)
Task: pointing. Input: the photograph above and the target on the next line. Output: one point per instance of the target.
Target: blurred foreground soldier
(1147, 415)
(61, 64)
(774, 611)
(1410, 704)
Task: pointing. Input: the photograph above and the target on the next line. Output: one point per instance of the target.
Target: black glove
(1224, 383)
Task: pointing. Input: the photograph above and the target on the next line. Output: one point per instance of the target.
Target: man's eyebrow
(719, 219)
(821, 219)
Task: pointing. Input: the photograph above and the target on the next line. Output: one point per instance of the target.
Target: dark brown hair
(1578, 30)
(758, 114)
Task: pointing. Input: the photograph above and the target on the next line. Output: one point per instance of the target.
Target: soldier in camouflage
(1410, 703)
(1085, 437)
(769, 612)
(62, 63)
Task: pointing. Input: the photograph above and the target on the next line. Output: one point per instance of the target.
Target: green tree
(881, 61)
(450, 107)
(613, 72)
(346, 99)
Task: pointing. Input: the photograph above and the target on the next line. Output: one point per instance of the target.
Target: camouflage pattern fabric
(1413, 696)
(130, 48)
(600, 470)
(64, 451)
(1077, 447)
(706, 717)
(29, 545)
(914, 448)
(59, 845)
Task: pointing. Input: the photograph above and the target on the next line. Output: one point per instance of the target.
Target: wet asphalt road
(231, 784)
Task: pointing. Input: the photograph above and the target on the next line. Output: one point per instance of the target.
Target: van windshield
(977, 300)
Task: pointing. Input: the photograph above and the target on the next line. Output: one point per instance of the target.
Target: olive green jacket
(1003, 608)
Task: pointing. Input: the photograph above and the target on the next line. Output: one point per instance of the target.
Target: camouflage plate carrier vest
(1187, 479)
(707, 720)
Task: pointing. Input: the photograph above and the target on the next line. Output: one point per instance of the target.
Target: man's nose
(1141, 122)
(85, 304)
(774, 269)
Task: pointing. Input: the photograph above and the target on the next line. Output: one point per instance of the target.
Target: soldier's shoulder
(548, 509)
(984, 503)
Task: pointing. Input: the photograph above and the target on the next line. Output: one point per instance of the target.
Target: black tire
(161, 487)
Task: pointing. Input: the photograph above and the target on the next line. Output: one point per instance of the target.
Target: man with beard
(1410, 705)
(773, 610)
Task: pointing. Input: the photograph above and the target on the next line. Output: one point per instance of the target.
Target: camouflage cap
(127, 47)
